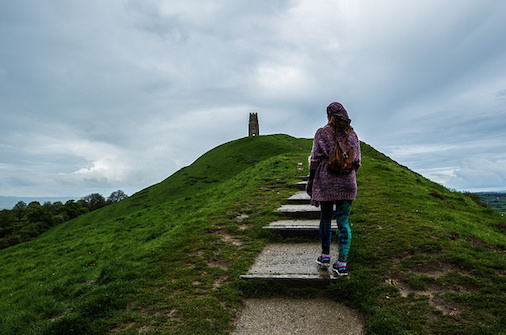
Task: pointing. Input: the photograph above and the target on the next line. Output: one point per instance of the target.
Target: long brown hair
(340, 126)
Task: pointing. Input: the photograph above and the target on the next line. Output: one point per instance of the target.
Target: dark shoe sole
(340, 274)
(325, 265)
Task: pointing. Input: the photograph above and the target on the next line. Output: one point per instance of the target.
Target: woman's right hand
(309, 187)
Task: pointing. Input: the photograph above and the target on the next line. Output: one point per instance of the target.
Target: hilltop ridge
(167, 259)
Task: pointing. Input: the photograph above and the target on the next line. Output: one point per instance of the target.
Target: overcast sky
(97, 96)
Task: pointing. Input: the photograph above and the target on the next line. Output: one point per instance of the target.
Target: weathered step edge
(301, 185)
(295, 277)
(291, 262)
(296, 225)
(295, 228)
(300, 211)
(299, 198)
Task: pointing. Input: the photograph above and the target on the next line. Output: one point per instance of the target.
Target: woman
(327, 188)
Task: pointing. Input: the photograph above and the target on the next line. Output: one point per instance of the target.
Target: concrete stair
(301, 185)
(301, 217)
(300, 211)
(299, 198)
(291, 262)
(295, 264)
(296, 226)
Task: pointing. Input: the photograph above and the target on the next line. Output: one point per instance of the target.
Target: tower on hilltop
(254, 129)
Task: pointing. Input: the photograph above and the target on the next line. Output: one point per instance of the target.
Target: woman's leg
(325, 225)
(343, 210)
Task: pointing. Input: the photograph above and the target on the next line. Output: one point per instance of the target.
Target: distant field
(495, 200)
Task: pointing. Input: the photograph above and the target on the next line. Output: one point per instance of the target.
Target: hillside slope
(134, 264)
(434, 258)
(166, 260)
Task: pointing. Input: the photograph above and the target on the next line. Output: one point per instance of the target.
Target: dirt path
(298, 316)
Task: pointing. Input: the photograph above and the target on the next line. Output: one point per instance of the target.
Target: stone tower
(254, 129)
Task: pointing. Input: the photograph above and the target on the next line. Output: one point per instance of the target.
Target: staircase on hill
(294, 261)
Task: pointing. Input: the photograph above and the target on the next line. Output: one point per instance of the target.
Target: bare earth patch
(219, 264)
(58, 317)
(126, 327)
(219, 282)
(241, 217)
(145, 329)
(130, 307)
(434, 269)
(434, 291)
(433, 294)
(228, 237)
(447, 308)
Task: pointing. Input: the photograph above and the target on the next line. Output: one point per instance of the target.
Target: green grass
(445, 250)
(167, 259)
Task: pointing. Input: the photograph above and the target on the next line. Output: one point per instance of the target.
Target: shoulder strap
(335, 137)
(327, 129)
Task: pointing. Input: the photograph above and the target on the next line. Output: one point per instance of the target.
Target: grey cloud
(120, 85)
(501, 93)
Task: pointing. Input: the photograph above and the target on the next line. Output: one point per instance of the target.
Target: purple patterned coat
(327, 186)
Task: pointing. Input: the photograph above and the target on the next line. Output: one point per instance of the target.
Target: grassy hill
(166, 260)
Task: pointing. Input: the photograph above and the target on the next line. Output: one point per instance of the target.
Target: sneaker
(340, 269)
(323, 260)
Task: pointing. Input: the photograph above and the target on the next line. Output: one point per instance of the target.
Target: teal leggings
(343, 209)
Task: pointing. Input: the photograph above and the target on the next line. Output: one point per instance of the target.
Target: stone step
(291, 262)
(300, 211)
(296, 225)
(301, 185)
(301, 197)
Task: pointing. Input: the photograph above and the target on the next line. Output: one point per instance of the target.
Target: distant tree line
(24, 222)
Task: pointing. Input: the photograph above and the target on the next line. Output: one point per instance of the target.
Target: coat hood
(336, 109)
